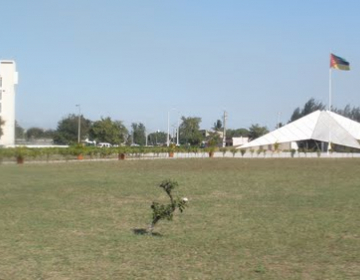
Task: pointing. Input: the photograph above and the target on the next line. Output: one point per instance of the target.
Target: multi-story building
(8, 80)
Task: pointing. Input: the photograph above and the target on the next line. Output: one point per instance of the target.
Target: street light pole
(177, 130)
(79, 122)
(224, 133)
(146, 136)
(168, 132)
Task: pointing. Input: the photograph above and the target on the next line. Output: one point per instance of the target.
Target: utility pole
(224, 136)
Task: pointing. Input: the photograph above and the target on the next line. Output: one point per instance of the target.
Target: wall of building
(9, 78)
(239, 141)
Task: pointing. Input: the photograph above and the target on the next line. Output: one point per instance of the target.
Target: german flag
(339, 63)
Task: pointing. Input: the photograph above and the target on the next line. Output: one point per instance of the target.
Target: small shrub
(276, 147)
(223, 150)
(20, 154)
(243, 151)
(166, 211)
(293, 151)
(234, 151)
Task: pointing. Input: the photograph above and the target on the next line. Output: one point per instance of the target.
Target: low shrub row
(90, 152)
(79, 152)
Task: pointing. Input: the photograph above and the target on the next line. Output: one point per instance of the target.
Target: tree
(19, 131)
(49, 133)
(237, 132)
(2, 122)
(218, 126)
(312, 106)
(106, 130)
(309, 107)
(280, 124)
(256, 131)
(67, 129)
(348, 112)
(138, 133)
(214, 139)
(189, 131)
(34, 133)
(295, 115)
(157, 138)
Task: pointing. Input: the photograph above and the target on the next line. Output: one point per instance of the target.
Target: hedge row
(77, 152)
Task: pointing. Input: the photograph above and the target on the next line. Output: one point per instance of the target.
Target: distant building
(8, 80)
(206, 133)
(230, 141)
(239, 141)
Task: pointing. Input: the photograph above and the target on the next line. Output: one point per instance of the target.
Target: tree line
(116, 133)
(312, 105)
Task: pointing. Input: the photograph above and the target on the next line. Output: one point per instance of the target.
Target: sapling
(166, 211)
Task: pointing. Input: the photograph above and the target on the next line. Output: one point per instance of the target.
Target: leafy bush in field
(166, 211)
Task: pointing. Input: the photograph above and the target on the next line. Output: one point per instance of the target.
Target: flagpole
(330, 74)
(339, 63)
(330, 93)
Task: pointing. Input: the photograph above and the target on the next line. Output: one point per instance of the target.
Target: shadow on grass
(143, 231)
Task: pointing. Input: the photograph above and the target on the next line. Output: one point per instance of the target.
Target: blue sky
(136, 60)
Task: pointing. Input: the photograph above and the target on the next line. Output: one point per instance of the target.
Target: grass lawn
(248, 219)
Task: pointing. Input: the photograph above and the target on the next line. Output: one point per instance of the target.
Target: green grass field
(248, 219)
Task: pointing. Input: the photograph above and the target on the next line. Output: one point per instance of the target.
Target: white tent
(324, 126)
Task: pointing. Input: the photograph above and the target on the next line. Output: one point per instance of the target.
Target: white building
(8, 80)
(239, 141)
